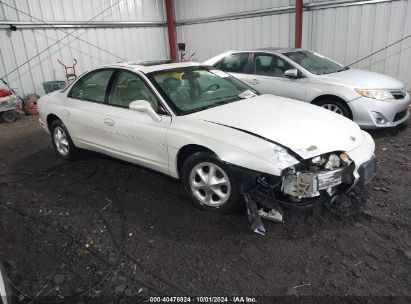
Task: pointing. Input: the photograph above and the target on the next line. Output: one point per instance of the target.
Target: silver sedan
(370, 99)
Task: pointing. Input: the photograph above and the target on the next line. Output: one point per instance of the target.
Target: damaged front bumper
(301, 189)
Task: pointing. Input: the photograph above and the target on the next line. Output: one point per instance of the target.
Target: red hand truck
(70, 71)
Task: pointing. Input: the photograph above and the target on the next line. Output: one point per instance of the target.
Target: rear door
(83, 109)
(267, 77)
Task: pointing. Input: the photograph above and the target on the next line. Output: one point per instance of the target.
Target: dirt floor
(113, 231)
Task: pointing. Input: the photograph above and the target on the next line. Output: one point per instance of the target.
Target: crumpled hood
(306, 129)
(361, 79)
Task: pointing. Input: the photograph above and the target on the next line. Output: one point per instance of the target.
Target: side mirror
(144, 106)
(292, 73)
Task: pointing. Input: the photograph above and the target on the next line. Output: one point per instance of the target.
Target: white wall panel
(131, 43)
(209, 39)
(189, 9)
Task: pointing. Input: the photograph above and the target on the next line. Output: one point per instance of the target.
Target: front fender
(316, 90)
(231, 146)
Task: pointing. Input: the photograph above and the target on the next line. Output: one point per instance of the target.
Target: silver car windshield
(315, 63)
(194, 89)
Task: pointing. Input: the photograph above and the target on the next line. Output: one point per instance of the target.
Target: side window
(235, 63)
(130, 87)
(270, 65)
(92, 86)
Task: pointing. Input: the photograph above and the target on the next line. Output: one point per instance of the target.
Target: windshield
(315, 63)
(192, 89)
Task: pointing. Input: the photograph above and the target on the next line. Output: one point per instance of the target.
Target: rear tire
(210, 185)
(62, 141)
(336, 106)
(9, 116)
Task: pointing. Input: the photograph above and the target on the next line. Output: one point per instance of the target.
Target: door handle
(109, 122)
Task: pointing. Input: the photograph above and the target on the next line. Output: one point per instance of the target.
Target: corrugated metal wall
(344, 33)
(347, 34)
(131, 43)
(209, 39)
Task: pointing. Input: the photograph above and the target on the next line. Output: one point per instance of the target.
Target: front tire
(210, 184)
(62, 141)
(336, 106)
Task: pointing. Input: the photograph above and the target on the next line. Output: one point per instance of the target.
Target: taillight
(4, 92)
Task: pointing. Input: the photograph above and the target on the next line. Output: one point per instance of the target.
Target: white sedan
(223, 140)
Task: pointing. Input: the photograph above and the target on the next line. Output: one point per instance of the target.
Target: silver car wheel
(210, 184)
(333, 108)
(61, 141)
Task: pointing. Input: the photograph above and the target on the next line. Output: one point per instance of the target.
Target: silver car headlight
(375, 94)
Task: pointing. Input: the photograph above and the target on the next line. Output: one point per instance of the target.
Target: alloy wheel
(333, 108)
(61, 141)
(210, 184)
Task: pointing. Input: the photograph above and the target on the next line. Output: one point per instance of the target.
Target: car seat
(136, 90)
(178, 94)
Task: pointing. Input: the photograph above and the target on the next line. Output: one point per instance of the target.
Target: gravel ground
(107, 231)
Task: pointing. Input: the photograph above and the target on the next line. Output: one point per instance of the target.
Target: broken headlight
(322, 172)
(333, 162)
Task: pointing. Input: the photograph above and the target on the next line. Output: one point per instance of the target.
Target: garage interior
(102, 230)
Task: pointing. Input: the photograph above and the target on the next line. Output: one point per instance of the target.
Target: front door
(134, 136)
(267, 77)
(235, 64)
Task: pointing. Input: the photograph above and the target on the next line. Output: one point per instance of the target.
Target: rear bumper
(395, 111)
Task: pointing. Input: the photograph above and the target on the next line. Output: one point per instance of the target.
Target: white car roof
(153, 66)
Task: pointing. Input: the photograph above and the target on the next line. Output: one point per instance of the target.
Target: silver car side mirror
(145, 107)
(291, 73)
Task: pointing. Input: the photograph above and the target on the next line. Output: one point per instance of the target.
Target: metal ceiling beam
(5, 24)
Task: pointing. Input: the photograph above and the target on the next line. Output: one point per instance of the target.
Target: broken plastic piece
(254, 220)
(271, 215)
(333, 162)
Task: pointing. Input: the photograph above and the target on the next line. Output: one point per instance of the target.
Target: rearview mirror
(292, 73)
(145, 107)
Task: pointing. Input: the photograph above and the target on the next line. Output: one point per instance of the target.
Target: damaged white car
(224, 141)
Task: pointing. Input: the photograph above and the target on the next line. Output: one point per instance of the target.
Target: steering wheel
(209, 88)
